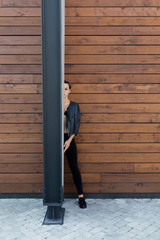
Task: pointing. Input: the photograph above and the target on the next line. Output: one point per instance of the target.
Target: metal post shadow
(52, 12)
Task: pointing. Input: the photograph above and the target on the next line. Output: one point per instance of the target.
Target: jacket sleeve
(77, 119)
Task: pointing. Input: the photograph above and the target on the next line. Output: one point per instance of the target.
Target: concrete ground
(109, 219)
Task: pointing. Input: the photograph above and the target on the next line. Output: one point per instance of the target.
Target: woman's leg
(71, 154)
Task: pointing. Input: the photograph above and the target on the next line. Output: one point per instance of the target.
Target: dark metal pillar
(53, 81)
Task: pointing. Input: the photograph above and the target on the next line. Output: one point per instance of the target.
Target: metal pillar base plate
(54, 215)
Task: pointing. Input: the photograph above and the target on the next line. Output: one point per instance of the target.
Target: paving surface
(109, 219)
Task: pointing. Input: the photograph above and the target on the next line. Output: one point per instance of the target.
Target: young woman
(72, 117)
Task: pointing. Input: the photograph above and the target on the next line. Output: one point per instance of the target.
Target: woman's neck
(66, 100)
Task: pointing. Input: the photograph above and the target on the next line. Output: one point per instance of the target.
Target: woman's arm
(68, 142)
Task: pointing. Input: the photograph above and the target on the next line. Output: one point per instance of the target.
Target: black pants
(71, 154)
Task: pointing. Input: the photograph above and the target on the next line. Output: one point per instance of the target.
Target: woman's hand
(67, 144)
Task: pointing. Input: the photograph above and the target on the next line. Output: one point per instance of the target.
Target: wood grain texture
(112, 3)
(111, 11)
(118, 69)
(19, 3)
(120, 118)
(20, 59)
(20, 21)
(22, 138)
(20, 88)
(107, 21)
(112, 53)
(93, 59)
(115, 137)
(119, 158)
(115, 49)
(20, 40)
(111, 78)
(119, 127)
(112, 60)
(20, 49)
(111, 40)
(21, 12)
(21, 118)
(20, 31)
(116, 88)
(115, 98)
(20, 78)
(111, 30)
(21, 187)
(20, 158)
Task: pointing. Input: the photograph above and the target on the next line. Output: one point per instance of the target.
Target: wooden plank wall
(21, 168)
(113, 62)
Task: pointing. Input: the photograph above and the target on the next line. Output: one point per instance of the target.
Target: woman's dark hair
(68, 84)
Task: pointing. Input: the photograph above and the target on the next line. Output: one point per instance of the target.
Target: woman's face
(66, 90)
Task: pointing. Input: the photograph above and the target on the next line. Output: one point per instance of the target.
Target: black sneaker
(82, 202)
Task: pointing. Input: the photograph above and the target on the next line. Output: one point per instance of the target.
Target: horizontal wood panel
(120, 118)
(115, 49)
(118, 157)
(102, 40)
(110, 3)
(120, 108)
(20, 21)
(21, 148)
(115, 188)
(21, 128)
(107, 21)
(133, 68)
(90, 59)
(21, 168)
(112, 137)
(132, 127)
(20, 31)
(19, 3)
(20, 59)
(20, 108)
(111, 98)
(112, 78)
(21, 178)
(22, 12)
(20, 78)
(110, 30)
(21, 158)
(131, 187)
(21, 118)
(20, 69)
(115, 88)
(20, 88)
(21, 187)
(147, 168)
(118, 147)
(127, 178)
(22, 138)
(20, 98)
(112, 11)
(20, 49)
(20, 40)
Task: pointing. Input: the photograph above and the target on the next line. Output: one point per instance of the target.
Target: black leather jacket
(73, 118)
